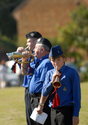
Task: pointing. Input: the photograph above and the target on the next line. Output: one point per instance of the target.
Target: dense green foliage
(75, 34)
(8, 31)
(7, 22)
(7, 43)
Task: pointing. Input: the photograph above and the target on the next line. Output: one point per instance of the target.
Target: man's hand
(75, 120)
(41, 104)
(20, 49)
(26, 54)
(40, 109)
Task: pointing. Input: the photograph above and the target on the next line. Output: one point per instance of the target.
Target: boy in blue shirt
(65, 99)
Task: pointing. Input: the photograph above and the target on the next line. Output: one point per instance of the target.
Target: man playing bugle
(31, 40)
(42, 49)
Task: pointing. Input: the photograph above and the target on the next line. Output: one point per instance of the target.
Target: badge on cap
(32, 34)
(38, 40)
(56, 51)
(44, 41)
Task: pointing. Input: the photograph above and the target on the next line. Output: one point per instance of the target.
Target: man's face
(31, 43)
(38, 51)
(58, 62)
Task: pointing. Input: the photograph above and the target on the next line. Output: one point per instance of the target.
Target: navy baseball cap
(44, 41)
(55, 51)
(33, 34)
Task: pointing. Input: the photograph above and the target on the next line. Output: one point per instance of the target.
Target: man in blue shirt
(65, 94)
(42, 49)
(31, 40)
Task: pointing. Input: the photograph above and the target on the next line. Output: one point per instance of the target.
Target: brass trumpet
(16, 56)
(56, 83)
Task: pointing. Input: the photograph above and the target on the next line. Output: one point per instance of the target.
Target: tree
(7, 22)
(75, 34)
(7, 44)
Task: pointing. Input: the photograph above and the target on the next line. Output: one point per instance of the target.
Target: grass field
(12, 107)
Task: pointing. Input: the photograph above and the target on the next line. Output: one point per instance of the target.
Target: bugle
(56, 83)
(18, 56)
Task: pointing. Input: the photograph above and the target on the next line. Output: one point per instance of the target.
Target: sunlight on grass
(12, 106)
(84, 104)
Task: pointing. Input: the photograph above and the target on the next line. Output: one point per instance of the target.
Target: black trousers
(28, 106)
(62, 116)
(34, 104)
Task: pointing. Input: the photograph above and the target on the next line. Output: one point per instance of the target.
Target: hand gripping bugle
(17, 56)
(56, 83)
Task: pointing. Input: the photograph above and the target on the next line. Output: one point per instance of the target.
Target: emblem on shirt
(58, 52)
(64, 89)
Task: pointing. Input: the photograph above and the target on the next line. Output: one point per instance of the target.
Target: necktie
(56, 100)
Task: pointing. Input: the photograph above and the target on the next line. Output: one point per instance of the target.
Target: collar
(44, 57)
(62, 68)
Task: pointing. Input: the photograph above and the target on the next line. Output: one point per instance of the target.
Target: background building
(44, 16)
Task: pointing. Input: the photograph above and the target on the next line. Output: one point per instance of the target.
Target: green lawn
(12, 108)
(84, 104)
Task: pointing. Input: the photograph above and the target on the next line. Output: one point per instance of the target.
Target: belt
(26, 88)
(35, 95)
(63, 107)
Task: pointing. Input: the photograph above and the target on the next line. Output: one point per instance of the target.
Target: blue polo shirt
(39, 75)
(69, 92)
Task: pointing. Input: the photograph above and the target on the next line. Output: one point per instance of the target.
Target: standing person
(65, 99)
(42, 49)
(3, 74)
(31, 40)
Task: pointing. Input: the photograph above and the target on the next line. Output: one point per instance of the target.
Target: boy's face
(59, 62)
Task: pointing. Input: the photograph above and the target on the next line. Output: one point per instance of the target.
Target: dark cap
(44, 41)
(55, 51)
(33, 34)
